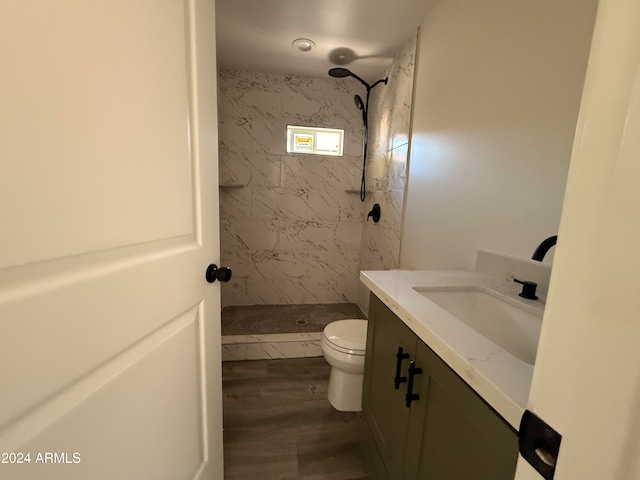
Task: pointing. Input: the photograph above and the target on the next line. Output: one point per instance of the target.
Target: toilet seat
(346, 336)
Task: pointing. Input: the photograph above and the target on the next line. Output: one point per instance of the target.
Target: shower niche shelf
(230, 187)
(368, 192)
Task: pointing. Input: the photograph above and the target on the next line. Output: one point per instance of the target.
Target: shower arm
(382, 80)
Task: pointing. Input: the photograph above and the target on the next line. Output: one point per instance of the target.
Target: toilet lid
(347, 335)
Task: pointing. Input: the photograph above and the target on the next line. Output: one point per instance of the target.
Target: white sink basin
(512, 326)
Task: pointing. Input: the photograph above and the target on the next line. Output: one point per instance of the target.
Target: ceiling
(361, 35)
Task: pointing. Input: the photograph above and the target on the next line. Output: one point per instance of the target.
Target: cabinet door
(455, 434)
(383, 405)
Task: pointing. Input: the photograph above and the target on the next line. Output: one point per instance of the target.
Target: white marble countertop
(501, 379)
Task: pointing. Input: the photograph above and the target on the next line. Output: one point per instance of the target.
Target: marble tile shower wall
(289, 229)
(389, 123)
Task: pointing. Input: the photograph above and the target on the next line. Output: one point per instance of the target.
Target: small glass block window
(316, 141)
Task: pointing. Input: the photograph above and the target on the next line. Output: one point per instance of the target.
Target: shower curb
(270, 346)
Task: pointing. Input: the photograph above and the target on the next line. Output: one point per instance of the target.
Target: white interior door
(109, 333)
(586, 381)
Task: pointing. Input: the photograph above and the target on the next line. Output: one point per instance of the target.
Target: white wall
(498, 87)
(586, 381)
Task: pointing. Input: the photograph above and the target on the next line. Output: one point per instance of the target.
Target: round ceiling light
(303, 44)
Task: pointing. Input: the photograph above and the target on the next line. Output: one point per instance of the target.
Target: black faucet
(544, 247)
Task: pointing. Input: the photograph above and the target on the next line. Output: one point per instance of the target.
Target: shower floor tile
(269, 319)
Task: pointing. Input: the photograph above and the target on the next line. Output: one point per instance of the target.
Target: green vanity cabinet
(383, 406)
(447, 433)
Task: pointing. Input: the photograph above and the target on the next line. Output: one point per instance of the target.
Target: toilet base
(345, 391)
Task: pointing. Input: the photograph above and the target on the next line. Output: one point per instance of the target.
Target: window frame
(298, 131)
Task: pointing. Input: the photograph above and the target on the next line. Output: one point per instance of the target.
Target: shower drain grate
(268, 319)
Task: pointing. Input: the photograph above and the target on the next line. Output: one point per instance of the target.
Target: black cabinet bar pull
(410, 396)
(398, 379)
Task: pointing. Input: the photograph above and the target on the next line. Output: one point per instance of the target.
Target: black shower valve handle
(374, 213)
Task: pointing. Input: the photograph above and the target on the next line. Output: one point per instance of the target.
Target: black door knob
(214, 273)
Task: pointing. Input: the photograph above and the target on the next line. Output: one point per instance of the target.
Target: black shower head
(343, 72)
(339, 72)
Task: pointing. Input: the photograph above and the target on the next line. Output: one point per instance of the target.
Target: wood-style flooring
(279, 425)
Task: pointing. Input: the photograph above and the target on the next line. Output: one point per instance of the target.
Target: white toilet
(343, 346)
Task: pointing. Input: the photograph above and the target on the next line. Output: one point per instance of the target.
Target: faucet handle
(528, 289)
